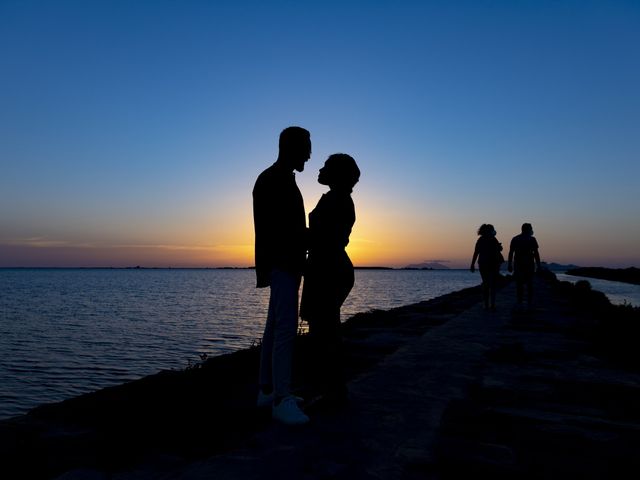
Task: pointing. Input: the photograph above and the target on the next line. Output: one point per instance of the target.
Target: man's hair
(292, 139)
(527, 228)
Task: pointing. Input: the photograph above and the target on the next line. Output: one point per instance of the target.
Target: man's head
(527, 229)
(294, 147)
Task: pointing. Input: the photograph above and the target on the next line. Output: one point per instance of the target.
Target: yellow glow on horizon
(388, 232)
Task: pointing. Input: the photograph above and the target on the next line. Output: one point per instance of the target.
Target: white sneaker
(266, 399)
(288, 412)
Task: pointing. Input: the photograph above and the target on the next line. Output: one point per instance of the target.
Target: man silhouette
(524, 248)
(280, 249)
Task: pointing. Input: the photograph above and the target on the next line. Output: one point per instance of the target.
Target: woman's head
(486, 229)
(340, 171)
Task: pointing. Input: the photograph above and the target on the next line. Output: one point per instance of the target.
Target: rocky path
(504, 394)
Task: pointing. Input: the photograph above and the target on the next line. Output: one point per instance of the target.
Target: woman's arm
(473, 260)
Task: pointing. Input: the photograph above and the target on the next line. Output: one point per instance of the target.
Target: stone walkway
(510, 395)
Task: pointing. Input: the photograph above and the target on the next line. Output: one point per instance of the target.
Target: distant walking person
(329, 276)
(487, 252)
(280, 249)
(523, 260)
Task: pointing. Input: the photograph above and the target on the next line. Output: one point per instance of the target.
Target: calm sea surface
(64, 332)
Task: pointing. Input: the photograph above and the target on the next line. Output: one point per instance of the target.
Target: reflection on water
(64, 332)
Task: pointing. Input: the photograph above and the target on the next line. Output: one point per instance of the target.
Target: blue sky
(132, 132)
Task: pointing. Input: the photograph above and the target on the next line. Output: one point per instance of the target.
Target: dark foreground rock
(440, 389)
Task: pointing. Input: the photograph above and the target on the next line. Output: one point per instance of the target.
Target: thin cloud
(44, 242)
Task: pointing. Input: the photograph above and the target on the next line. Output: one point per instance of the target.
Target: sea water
(64, 332)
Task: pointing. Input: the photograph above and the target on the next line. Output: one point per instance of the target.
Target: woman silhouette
(328, 276)
(487, 252)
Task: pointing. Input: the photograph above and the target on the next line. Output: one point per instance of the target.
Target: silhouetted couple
(281, 247)
(523, 260)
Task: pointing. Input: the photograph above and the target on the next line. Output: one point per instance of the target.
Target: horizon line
(252, 267)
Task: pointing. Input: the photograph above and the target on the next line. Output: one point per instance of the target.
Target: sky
(131, 133)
